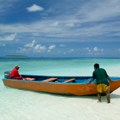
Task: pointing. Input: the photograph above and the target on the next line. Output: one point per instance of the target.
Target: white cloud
(34, 47)
(81, 24)
(35, 8)
(70, 51)
(96, 10)
(47, 29)
(7, 37)
(51, 47)
(39, 48)
(95, 50)
(30, 44)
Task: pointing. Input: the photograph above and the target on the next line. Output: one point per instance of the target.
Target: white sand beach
(27, 105)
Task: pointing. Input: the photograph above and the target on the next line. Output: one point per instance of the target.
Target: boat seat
(69, 80)
(50, 80)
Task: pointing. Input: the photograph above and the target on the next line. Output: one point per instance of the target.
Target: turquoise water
(83, 66)
(30, 105)
(60, 67)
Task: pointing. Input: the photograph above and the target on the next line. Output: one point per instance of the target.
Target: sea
(16, 103)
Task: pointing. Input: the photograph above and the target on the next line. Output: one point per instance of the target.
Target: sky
(60, 28)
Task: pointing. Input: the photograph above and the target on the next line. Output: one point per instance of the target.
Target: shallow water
(67, 67)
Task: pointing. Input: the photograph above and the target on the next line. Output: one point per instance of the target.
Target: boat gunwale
(57, 82)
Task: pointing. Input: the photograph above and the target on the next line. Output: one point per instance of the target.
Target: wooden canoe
(59, 84)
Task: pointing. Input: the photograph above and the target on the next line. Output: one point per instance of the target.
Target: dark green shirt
(101, 76)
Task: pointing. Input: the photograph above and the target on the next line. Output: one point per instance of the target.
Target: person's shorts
(102, 88)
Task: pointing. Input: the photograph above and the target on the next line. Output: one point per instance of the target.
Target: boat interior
(61, 79)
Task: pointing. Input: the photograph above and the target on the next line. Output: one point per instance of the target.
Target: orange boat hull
(61, 88)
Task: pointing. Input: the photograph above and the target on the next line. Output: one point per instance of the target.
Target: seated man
(14, 74)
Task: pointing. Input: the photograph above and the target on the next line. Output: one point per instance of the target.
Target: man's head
(96, 66)
(17, 67)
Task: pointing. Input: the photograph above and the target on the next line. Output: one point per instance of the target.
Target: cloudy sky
(60, 28)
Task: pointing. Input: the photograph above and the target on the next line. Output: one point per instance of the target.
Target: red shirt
(15, 74)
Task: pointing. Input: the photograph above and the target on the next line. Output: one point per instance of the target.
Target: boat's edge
(61, 88)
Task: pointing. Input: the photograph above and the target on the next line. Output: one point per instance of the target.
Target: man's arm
(109, 78)
(91, 80)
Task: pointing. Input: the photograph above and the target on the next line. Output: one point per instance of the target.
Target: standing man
(102, 81)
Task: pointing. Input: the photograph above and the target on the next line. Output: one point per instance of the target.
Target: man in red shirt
(15, 73)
